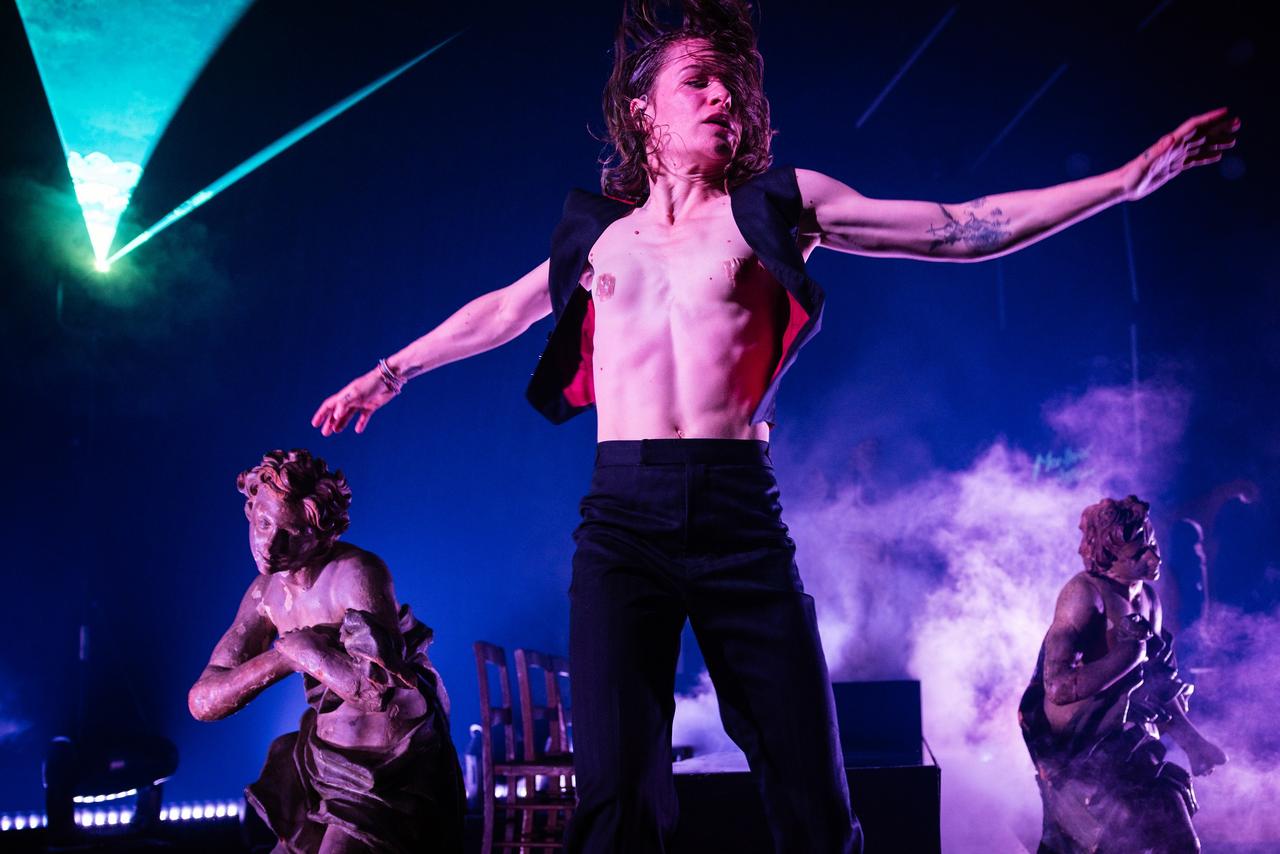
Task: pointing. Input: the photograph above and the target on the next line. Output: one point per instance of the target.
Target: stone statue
(372, 766)
(1105, 690)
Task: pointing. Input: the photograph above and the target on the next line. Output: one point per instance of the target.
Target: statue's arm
(243, 663)
(488, 321)
(1067, 678)
(840, 218)
(362, 584)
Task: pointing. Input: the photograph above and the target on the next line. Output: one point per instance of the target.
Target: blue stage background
(135, 397)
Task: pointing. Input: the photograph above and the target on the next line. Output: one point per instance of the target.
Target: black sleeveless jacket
(767, 211)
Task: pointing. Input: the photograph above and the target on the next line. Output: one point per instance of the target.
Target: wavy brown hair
(640, 52)
(1107, 526)
(297, 476)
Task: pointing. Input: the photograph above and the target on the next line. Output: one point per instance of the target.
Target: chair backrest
(491, 655)
(550, 708)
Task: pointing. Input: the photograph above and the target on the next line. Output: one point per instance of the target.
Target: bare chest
(641, 267)
(290, 608)
(1117, 608)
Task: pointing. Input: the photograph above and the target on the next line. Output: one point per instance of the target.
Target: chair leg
(526, 817)
(509, 820)
(486, 839)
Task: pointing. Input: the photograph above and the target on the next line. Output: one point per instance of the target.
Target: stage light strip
(284, 142)
(928, 40)
(1152, 16)
(1053, 78)
(22, 821)
(97, 799)
(202, 811)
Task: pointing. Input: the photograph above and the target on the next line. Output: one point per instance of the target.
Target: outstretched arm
(486, 322)
(842, 219)
(1067, 677)
(243, 664)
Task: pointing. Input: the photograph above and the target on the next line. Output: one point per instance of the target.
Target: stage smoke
(1234, 658)
(951, 580)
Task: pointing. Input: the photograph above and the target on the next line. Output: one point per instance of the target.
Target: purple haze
(952, 580)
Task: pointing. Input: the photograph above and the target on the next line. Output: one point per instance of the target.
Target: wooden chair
(552, 751)
(516, 773)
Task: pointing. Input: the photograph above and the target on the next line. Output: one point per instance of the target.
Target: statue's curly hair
(639, 54)
(1108, 525)
(298, 476)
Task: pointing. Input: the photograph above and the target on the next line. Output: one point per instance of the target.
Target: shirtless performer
(372, 767)
(680, 299)
(1105, 689)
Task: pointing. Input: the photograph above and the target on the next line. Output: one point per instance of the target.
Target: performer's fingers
(338, 418)
(363, 420)
(1202, 119)
(321, 416)
(347, 415)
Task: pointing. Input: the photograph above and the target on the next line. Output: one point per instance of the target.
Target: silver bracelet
(389, 378)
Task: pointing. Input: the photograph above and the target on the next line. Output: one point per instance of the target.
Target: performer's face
(1139, 559)
(280, 536)
(689, 110)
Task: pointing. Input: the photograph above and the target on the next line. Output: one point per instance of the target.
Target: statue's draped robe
(405, 798)
(1104, 781)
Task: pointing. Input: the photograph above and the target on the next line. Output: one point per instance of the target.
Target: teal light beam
(115, 72)
(303, 130)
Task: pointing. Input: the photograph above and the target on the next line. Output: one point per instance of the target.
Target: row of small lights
(500, 789)
(112, 818)
(98, 799)
(197, 812)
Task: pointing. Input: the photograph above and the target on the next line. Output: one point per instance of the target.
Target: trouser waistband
(682, 451)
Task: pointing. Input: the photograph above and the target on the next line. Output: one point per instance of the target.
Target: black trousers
(691, 529)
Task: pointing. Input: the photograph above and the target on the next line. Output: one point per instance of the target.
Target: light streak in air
(297, 134)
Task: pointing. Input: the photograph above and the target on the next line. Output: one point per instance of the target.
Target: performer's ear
(637, 107)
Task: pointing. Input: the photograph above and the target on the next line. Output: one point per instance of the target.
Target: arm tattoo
(975, 232)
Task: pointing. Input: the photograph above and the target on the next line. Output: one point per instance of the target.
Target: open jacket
(767, 210)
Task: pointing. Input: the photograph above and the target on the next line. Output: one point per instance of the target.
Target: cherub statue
(1105, 691)
(372, 766)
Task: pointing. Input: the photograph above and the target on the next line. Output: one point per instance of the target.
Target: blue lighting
(297, 134)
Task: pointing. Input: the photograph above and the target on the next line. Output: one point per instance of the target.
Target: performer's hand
(1205, 756)
(362, 396)
(1198, 141)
